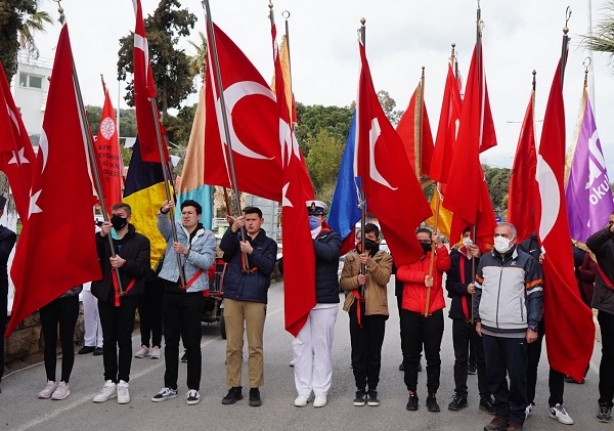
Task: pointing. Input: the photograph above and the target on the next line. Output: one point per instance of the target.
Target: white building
(30, 86)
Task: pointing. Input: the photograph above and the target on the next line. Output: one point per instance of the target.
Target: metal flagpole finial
(534, 79)
(270, 5)
(62, 17)
(286, 15)
(567, 18)
(586, 63)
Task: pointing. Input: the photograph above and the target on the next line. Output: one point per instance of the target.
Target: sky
(402, 36)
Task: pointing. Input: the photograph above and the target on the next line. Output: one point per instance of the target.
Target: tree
(19, 20)
(388, 104)
(170, 65)
(324, 160)
(498, 180)
(314, 118)
(198, 62)
(603, 38)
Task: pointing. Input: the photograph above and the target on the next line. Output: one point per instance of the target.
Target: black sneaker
(165, 394)
(570, 380)
(234, 394)
(412, 403)
(431, 403)
(472, 369)
(402, 366)
(486, 404)
(361, 398)
(372, 399)
(254, 397)
(605, 413)
(458, 402)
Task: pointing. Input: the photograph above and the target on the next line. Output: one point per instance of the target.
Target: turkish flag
(414, 129)
(147, 118)
(389, 182)
(59, 236)
(571, 334)
(522, 192)
(253, 123)
(466, 193)
(16, 153)
(449, 120)
(109, 155)
(299, 257)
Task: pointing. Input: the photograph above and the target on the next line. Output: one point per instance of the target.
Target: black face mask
(371, 246)
(118, 222)
(425, 247)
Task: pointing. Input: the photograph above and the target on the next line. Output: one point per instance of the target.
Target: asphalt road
(21, 410)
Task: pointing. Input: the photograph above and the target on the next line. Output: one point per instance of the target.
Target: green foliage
(323, 160)
(388, 104)
(312, 119)
(171, 69)
(498, 180)
(19, 19)
(602, 39)
(179, 128)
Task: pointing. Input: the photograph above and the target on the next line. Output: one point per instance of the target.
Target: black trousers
(150, 312)
(181, 316)
(421, 331)
(62, 311)
(507, 356)
(4, 292)
(465, 339)
(556, 380)
(606, 369)
(117, 326)
(367, 341)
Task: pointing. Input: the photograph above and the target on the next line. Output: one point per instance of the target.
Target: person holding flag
(367, 305)
(118, 298)
(422, 316)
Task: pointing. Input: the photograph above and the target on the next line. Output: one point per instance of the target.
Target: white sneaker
(302, 400)
(559, 413)
(155, 352)
(108, 391)
(320, 401)
(46, 393)
(123, 394)
(61, 392)
(528, 410)
(142, 352)
(192, 397)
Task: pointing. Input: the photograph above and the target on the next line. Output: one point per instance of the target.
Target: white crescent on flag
(232, 95)
(374, 134)
(43, 144)
(549, 195)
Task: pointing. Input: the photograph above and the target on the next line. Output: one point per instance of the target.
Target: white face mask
(467, 242)
(502, 245)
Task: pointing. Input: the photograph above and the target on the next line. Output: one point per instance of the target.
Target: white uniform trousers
(313, 365)
(91, 320)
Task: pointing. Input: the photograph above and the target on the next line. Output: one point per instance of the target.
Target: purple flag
(588, 193)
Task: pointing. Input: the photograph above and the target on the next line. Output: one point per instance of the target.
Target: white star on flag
(19, 155)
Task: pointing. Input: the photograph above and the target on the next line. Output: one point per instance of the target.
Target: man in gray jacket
(182, 303)
(507, 308)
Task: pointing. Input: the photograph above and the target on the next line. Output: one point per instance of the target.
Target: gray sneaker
(165, 394)
(49, 389)
(559, 413)
(61, 392)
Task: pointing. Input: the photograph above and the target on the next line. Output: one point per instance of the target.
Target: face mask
(467, 242)
(118, 222)
(371, 245)
(314, 222)
(425, 247)
(502, 245)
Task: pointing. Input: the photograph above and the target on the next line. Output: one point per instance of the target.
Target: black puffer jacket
(458, 277)
(602, 244)
(133, 247)
(327, 246)
(248, 286)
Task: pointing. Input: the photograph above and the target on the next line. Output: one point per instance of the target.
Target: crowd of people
(496, 311)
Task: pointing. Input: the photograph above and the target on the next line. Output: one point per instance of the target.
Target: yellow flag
(445, 217)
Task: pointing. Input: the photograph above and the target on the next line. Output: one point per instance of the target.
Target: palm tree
(603, 38)
(19, 20)
(198, 62)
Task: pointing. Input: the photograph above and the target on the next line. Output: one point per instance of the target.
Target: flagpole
(286, 15)
(565, 44)
(432, 262)
(363, 205)
(91, 152)
(218, 82)
(418, 132)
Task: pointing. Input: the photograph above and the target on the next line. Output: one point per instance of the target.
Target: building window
(31, 81)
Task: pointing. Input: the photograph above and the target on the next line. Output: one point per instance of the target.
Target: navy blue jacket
(460, 265)
(254, 285)
(327, 246)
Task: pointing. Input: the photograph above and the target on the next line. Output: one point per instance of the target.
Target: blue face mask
(314, 222)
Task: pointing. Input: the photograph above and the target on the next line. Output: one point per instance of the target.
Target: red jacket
(414, 289)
